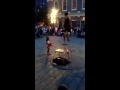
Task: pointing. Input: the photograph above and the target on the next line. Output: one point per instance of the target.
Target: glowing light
(53, 15)
(83, 18)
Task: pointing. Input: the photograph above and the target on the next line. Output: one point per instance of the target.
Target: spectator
(41, 32)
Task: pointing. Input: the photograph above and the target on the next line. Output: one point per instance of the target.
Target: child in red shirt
(48, 45)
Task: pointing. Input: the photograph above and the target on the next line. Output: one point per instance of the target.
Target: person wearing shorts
(66, 27)
(67, 34)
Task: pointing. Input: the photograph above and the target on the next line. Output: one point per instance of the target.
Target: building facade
(75, 9)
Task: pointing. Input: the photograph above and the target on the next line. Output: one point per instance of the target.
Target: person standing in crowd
(82, 31)
(37, 32)
(78, 31)
(41, 32)
(75, 29)
(56, 30)
(62, 32)
(59, 32)
(67, 27)
(46, 27)
(47, 32)
(82, 28)
(51, 31)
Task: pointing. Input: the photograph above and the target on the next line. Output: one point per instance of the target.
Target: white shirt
(48, 42)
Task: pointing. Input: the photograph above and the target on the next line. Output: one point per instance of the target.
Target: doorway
(73, 23)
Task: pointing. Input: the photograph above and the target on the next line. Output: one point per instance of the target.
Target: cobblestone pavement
(49, 77)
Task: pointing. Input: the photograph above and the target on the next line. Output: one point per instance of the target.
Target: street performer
(67, 27)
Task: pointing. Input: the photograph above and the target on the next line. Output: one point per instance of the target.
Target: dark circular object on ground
(61, 61)
(62, 87)
(73, 64)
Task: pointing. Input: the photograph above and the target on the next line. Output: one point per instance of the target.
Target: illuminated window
(64, 5)
(83, 4)
(74, 4)
(82, 18)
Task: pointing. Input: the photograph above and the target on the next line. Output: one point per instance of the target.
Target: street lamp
(53, 16)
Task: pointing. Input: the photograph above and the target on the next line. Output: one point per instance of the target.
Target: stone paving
(48, 76)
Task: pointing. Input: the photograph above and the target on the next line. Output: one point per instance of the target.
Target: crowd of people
(66, 30)
(58, 31)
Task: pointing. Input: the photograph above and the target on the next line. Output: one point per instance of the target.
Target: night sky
(40, 2)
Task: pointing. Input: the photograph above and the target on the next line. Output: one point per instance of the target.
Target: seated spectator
(59, 32)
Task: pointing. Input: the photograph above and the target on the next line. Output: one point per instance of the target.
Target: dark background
(41, 11)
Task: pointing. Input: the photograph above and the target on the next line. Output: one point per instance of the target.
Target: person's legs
(64, 35)
(68, 34)
(48, 50)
